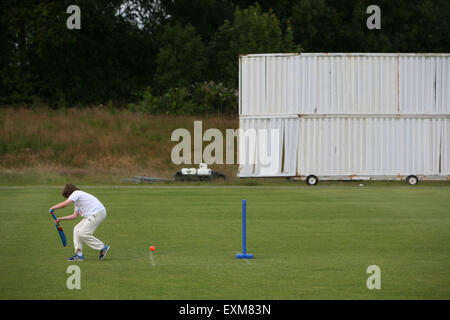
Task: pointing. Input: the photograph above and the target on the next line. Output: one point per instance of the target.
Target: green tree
(340, 26)
(205, 15)
(252, 31)
(181, 60)
(314, 24)
(17, 79)
(106, 60)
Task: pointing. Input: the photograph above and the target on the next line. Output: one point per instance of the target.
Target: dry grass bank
(93, 144)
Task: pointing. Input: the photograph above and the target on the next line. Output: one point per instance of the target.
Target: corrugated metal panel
(357, 85)
(261, 147)
(445, 148)
(362, 114)
(424, 84)
(359, 146)
(417, 84)
(372, 146)
(345, 83)
(442, 85)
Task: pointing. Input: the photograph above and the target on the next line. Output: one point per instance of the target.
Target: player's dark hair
(68, 189)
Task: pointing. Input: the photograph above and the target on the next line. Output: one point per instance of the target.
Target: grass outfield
(309, 243)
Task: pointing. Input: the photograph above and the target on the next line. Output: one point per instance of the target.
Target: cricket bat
(60, 230)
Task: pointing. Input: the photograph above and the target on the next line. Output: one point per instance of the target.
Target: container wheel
(312, 180)
(412, 180)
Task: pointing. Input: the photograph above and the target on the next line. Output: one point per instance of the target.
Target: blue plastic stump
(244, 254)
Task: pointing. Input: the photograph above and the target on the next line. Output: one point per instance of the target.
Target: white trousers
(84, 230)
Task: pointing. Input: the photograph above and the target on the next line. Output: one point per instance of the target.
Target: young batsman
(93, 213)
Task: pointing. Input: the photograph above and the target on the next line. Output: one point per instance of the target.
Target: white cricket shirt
(86, 204)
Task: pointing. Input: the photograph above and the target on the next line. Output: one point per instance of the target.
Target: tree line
(181, 56)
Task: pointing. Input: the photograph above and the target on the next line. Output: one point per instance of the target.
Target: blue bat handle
(53, 215)
(60, 230)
